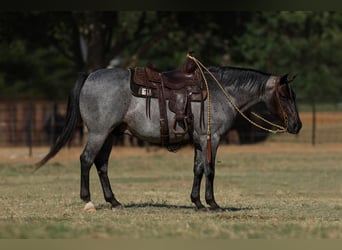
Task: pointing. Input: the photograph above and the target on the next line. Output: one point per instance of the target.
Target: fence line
(324, 127)
(25, 123)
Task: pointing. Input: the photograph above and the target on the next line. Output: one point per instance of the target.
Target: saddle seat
(186, 75)
(180, 87)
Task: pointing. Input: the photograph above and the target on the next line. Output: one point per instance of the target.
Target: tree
(51, 47)
(303, 43)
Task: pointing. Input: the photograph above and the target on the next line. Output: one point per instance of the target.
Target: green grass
(268, 196)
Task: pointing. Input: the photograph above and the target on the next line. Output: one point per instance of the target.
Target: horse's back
(113, 77)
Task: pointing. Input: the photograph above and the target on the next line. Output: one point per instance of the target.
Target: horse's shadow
(170, 206)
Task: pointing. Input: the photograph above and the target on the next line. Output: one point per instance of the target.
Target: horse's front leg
(209, 171)
(209, 186)
(198, 174)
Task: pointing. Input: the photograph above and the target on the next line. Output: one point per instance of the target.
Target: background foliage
(41, 52)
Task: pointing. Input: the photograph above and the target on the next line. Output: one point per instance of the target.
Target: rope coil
(200, 65)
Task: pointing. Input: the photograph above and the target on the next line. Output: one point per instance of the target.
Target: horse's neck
(243, 98)
(245, 87)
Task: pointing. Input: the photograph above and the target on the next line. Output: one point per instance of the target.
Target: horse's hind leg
(101, 163)
(95, 143)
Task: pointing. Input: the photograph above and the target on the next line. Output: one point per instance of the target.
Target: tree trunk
(96, 58)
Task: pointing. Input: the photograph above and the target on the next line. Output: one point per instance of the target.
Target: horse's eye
(284, 98)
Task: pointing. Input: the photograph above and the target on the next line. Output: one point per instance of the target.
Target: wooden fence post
(313, 133)
(29, 128)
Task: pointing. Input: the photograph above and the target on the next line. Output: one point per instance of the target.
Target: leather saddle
(180, 87)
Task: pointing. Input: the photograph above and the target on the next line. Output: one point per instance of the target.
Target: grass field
(269, 191)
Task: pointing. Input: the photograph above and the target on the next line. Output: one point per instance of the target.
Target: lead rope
(280, 129)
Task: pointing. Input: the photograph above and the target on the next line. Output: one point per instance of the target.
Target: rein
(280, 129)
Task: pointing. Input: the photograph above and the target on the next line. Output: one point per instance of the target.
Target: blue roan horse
(103, 100)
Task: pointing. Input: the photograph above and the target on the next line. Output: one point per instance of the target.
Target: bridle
(279, 107)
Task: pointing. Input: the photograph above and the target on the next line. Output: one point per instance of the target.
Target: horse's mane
(242, 78)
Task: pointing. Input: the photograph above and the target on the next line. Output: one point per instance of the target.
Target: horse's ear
(286, 79)
(290, 79)
(283, 79)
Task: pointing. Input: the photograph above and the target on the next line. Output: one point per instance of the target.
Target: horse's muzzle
(295, 127)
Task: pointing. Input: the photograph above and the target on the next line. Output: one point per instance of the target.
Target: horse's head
(282, 103)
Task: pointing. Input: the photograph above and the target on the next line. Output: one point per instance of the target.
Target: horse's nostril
(295, 127)
(298, 127)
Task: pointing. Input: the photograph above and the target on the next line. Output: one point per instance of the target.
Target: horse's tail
(73, 119)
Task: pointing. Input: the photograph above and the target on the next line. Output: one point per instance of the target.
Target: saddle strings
(280, 129)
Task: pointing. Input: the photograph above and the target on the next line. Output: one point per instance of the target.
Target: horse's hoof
(216, 208)
(118, 207)
(89, 207)
(199, 205)
(202, 209)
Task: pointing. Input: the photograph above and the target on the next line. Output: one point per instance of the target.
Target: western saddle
(180, 87)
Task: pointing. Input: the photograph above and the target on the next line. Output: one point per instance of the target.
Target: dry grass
(269, 191)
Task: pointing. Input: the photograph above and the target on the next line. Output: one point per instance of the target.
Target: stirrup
(174, 127)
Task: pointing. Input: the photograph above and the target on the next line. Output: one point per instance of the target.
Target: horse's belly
(150, 131)
(145, 124)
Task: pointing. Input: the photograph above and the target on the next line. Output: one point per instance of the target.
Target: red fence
(22, 122)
